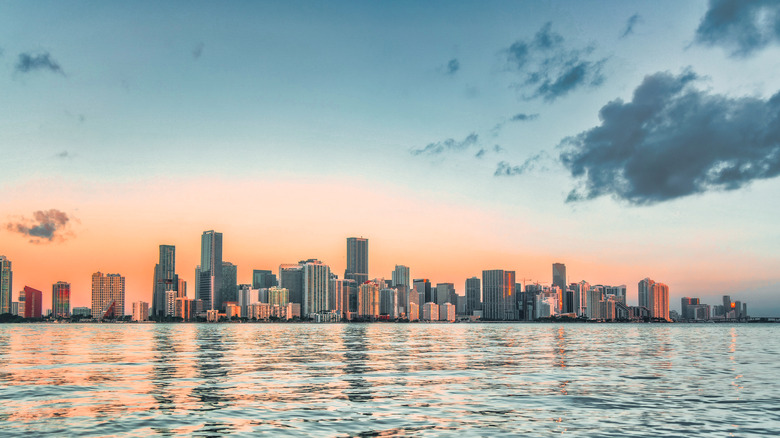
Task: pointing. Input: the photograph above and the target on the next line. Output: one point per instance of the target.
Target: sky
(624, 139)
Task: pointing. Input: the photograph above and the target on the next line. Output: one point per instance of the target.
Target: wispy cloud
(452, 67)
(523, 117)
(673, 140)
(448, 145)
(198, 50)
(740, 26)
(549, 68)
(29, 62)
(505, 169)
(45, 226)
(630, 23)
(484, 151)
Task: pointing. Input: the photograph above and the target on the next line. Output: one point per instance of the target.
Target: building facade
(208, 280)
(108, 295)
(165, 279)
(33, 302)
(60, 300)
(357, 259)
(316, 287)
(498, 288)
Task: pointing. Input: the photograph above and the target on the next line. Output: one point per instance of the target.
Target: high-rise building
(643, 292)
(60, 299)
(559, 275)
(443, 292)
(498, 287)
(473, 300)
(336, 295)
(209, 273)
(263, 279)
(401, 276)
(368, 300)
(6, 285)
(388, 302)
(165, 279)
(423, 286)
(33, 301)
(687, 311)
(291, 278)
(659, 301)
(140, 311)
(357, 259)
(108, 295)
(594, 296)
(430, 312)
(316, 283)
(229, 284)
(278, 296)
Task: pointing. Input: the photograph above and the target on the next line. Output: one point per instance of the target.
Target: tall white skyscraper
(401, 276)
(6, 284)
(316, 283)
(643, 292)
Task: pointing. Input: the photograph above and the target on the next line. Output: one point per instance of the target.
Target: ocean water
(390, 379)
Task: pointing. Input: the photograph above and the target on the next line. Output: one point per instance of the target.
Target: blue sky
(463, 105)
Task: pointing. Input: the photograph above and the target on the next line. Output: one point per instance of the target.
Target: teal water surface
(390, 379)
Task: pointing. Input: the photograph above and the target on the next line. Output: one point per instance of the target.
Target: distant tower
(229, 283)
(401, 276)
(209, 279)
(60, 299)
(357, 259)
(32, 302)
(659, 301)
(498, 295)
(643, 293)
(263, 279)
(423, 286)
(165, 279)
(473, 300)
(291, 278)
(108, 295)
(559, 275)
(316, 285)
(6, 285)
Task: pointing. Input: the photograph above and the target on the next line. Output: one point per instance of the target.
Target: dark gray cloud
(43, 61)
(448, 145)
(452, 67)
(740, 26)
(549, 68)
(630, 23)
(45, 226)
(198, 50)
(522, 117)
(673, 140)
(505, 169)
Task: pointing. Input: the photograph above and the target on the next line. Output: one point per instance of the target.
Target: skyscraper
(316, 284)
(263, 279)
(559, 275)
(228, 290)
(6, 285)
(165, 279)
(401, 276)
(473, 300)
(357, 259)
(423, 286)
(60, 299)
(368, 300)
(209, 272)
(108, 295)
(32, 302)
(291, 278)
(443, 293)
(643, 293)
(659, 301)
(498, 288)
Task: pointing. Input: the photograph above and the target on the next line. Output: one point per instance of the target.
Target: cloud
(630, 23)
(45, 226)
(447, 146)
(549, 69)
(741, 26)
(505, 169)
(522, 117)
(28, 63)
(64, 154)
(452, 67)
(483, 151)
(198, 50)
(673, 140)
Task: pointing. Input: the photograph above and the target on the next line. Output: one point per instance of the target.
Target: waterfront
(389, 379)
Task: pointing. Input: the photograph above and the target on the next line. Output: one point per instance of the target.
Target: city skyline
(457, 136)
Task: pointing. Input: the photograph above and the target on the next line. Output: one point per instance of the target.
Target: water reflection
(388, 379)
